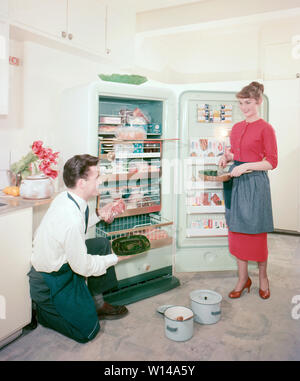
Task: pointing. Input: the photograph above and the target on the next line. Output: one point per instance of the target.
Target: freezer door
(205, 121)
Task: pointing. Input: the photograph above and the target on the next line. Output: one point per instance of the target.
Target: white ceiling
(148, 5)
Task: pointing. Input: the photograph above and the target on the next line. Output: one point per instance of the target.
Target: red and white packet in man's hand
(111, 210)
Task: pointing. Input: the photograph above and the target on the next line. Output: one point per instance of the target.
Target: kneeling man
(69, 274)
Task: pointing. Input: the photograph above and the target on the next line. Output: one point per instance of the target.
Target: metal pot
(179, 323)
(36, 187)
(206, 305)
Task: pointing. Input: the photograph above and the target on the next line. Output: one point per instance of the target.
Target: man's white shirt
(60, 239)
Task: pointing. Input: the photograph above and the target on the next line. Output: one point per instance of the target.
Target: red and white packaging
(112, 210)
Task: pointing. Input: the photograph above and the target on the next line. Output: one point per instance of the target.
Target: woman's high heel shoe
(265, 294)
(236, 294)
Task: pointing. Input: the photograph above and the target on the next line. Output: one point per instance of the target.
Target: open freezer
(130, 128)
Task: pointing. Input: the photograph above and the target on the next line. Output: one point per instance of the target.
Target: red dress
(251, 142)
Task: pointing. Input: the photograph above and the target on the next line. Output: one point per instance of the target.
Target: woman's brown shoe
(236, 294)
(264, 294)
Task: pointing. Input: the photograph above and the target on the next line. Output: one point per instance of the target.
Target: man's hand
(123, 257)
(105, 217)
(111, 210)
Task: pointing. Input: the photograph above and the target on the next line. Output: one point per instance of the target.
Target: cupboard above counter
(4, 69)
(92, 26)
(4, 10)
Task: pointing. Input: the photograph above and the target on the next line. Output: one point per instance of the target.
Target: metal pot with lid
(206, 305)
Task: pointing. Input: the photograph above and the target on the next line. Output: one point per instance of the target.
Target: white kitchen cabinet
(15, 252)
(47, 17)
(120, 34)
(74, 22)
(86, 25)
(3, 9)
(4, 67)
(94, 26)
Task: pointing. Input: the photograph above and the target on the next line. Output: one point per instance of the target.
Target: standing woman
(247, 195)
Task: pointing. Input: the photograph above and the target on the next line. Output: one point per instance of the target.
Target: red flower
(37, 147)
(47, 157)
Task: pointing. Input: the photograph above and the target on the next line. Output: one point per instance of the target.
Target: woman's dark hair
(78, 168)
(255, 90)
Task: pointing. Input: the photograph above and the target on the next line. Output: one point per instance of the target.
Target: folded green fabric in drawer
(130, 245)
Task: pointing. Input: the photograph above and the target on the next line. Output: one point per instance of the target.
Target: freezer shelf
(125, 155)
(143, 155)
(195, 185)
(190, 233)
(114, 177)
(142, 210)
(205, 209)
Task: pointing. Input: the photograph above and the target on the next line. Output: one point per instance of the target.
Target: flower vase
(36, 187)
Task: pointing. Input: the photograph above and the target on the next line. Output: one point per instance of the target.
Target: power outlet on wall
(14, 61)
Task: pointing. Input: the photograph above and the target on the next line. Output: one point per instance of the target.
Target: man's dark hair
(78, 168)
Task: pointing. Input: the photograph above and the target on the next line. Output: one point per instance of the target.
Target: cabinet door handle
(70, 36)
(64, 34)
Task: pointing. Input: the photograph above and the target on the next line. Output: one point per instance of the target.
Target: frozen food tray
(134, 244)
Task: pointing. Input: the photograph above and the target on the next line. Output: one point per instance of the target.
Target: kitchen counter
(17, 203)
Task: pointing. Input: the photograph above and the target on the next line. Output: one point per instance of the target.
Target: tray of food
(130, 245)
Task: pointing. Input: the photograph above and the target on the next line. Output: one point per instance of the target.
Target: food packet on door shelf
(112, 210)
(131, 133)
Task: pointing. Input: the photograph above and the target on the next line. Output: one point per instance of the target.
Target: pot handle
(216, 312)
(171, 329)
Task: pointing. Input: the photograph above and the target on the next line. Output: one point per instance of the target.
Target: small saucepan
(179, 323)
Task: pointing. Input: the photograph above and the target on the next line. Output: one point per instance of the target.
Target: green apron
(72, 300)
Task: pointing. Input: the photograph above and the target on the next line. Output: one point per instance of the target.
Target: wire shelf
(157, 229)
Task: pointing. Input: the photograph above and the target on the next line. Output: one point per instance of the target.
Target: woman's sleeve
(270, 146)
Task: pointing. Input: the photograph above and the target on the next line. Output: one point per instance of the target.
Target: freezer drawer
(159, 231)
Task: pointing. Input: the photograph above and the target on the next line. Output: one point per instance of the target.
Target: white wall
(11, 124)
(189, 15)
(256, 48)
(35, 90)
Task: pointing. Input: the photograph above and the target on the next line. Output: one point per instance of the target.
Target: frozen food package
(136, 120)
(110, 119)
(111, 210)
(142, 114)
(131, 133)
(124, 148)
(107, 128)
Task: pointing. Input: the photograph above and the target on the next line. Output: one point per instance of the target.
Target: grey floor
(249, 329)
